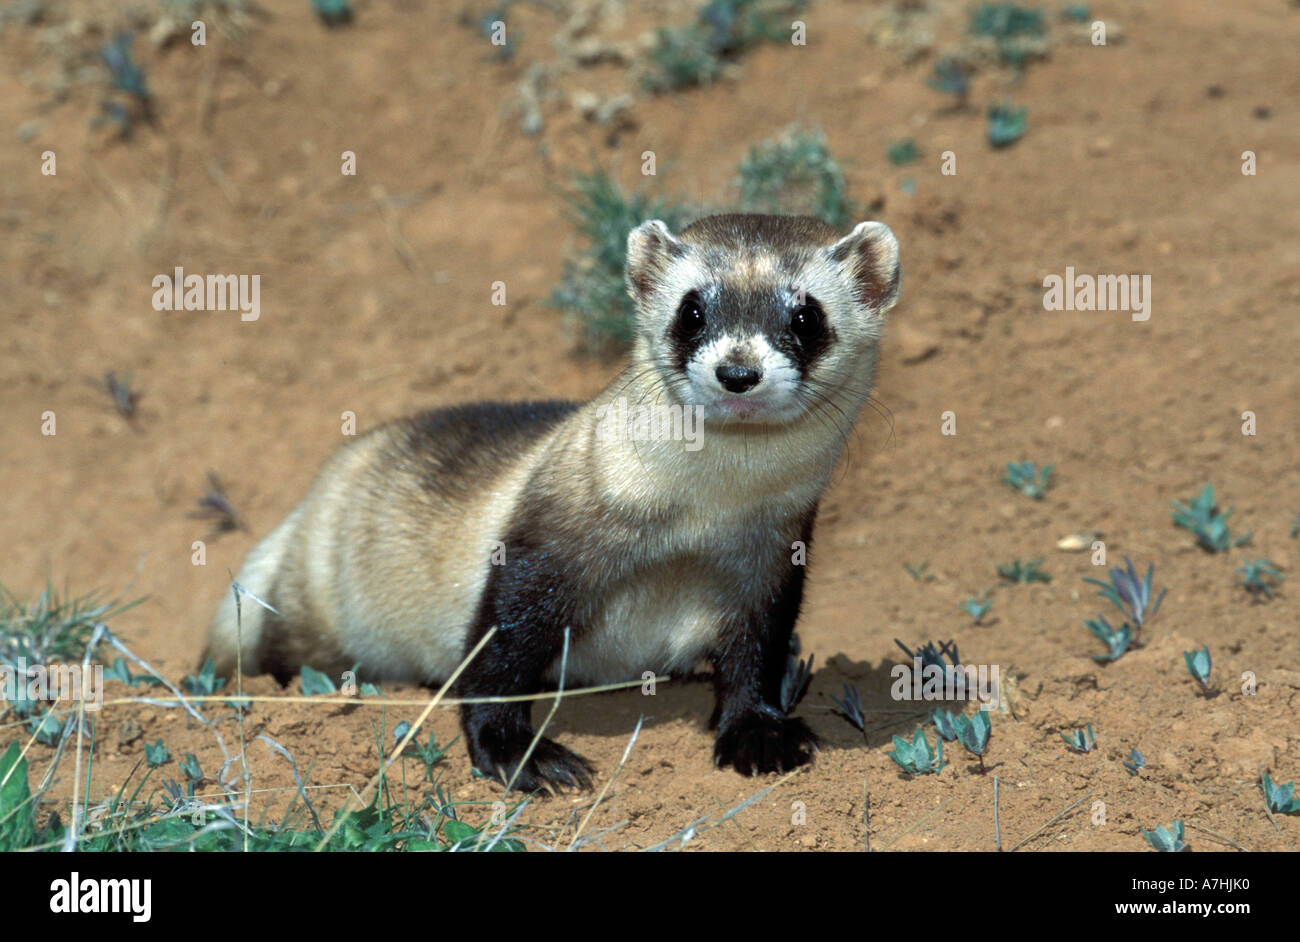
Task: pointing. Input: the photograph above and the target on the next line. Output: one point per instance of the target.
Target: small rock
(1099, 147)
(129, 732)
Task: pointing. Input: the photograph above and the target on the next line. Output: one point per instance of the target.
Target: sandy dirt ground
(375, 299)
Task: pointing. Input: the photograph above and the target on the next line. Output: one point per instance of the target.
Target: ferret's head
(760, 318)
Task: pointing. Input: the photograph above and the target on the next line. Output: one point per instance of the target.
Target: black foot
(550, 767)
(759, 742)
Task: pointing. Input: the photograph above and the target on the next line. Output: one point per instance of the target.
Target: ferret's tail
(236, 636)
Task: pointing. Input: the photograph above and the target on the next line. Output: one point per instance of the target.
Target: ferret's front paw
(551, 767)
(758, 742)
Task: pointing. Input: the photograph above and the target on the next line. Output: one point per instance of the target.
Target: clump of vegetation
(52, 628)
(1280, 799)
(1260, 577)
(1081, 740)
(592, 289)
(903, 152)
(1016, 31)
(120, 672)
(1199, 666)
(1006, 124)
(1116, 640)
(1025, 477)
(1167, 840)
(973, 732)
(696, 53)
(916, 757)
(1201, 516)
(976, 609)
(943, 655)
(795, 173)
(952, 77)
(1130, 594)
(1295, 527)
(1136, 762)
(333, 12)
(1018, 571)
(125, 399)
(156, 754)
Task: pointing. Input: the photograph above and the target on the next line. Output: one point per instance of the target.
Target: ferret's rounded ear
(870, 256)
(650, 247)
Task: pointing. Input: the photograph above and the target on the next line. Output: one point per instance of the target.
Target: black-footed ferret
(654, 549)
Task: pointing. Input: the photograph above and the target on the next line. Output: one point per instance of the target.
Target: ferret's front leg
(530, 603)
(754, 734)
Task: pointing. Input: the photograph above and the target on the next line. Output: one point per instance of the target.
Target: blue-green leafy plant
(695, 54)
(1199, 665)
(976, 609)
(945, 722)
(1018, 571)
(851, 708)
(795, 681)
(1167, 840)
(1016, 30)
(941, 656)
(916, 757)
(952, 77)
(903, 152)
(973, 732)
(1260, 577)
(1281, 799)
(1201, 516)
(206, 683)
(1130, 594)
(920, 573)
(1116, 639)
(1025, 477)
(1077, 12)
(156, 754)
(1136, 762)
(314, 683)
(1006, 124)
(333, 12)
(119, 671)
(1081, 740)
(1295, 527)
(190, 767)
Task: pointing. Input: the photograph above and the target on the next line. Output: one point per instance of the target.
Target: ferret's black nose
(738, 379)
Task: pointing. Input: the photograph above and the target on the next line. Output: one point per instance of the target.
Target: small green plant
(1259, 577)
(1131, 595)
(1199, 666)
(1201, 516)
(916, 757)
(941, 656)
(156, 754)
(851, 708)
(119, 671)
(903, 152)
(1025, 477)
(945, 723)
(592, 290)
(973, 732)
(795, 173)
(314, 683)
(1295, 527)
(1116, 640)
(333, 12)
(52, 628)
(920, 573)
(1136, 762)
(1017, 31)
(1077, 12)
(1006, 124)
(1018, 571)
(1167, 840)
(189, 766)
(207, 683)
(1081, 740)
(1281, 799)
(695, 54)
(429, 754)
(216, 505)
(976, 609)
(952, 77)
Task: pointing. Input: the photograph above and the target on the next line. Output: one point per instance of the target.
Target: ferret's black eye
(690, 314)
(806, 320)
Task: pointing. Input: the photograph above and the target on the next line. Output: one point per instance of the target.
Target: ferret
(654, 552)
